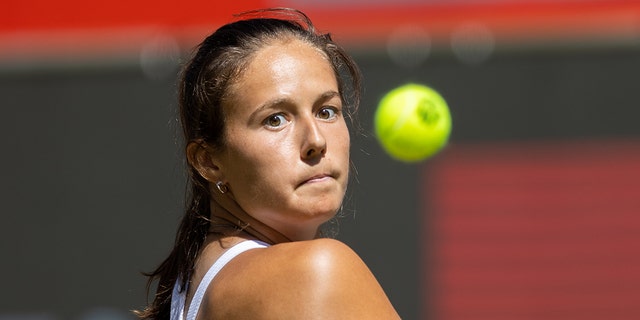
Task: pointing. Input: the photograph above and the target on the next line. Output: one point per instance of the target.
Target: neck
(226, 213)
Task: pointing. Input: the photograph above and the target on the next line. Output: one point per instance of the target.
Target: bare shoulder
(316, 279)
(318, 256)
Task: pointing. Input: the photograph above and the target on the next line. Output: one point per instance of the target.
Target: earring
(222, 187)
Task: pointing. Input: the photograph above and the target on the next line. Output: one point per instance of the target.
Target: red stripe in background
(535, 231)
(80, 24)
(509, 20)
(34, 15)
(76, 14)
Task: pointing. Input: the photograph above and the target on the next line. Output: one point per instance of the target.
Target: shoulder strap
(178, 297)
(213, 271)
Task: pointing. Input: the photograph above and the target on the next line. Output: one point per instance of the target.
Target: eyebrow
(328, 95)
(279, 101)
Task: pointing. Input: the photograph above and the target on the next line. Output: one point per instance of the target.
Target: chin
(322, 215)
(315, 210)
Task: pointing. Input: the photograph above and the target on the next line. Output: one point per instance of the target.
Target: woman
(263, 106)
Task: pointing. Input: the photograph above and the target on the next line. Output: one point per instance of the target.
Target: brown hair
(203, 87)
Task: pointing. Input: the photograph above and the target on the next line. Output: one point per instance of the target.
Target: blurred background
(531, 212)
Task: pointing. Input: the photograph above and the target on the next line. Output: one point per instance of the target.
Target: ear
(200, 157)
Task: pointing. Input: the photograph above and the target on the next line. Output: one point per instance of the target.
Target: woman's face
(286, 157)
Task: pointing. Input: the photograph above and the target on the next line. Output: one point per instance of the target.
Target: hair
(203, 88)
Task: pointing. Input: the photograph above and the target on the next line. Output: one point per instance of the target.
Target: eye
(275, 121)
(327, 113)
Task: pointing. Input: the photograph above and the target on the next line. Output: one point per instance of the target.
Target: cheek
(252, 158)
(341, 154)
(343, 142)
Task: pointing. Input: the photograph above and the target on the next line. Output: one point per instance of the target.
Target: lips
(316, 178)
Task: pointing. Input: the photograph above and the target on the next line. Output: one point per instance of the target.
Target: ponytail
(179, 265)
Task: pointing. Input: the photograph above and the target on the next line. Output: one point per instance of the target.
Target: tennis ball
(412, 122)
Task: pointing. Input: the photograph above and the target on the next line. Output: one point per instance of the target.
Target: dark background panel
(92, 176)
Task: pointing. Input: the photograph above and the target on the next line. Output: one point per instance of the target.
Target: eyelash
(334, 110)
(334, 113)
(267, 121)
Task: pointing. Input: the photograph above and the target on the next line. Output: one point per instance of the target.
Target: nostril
(314, 151)
(311, 152)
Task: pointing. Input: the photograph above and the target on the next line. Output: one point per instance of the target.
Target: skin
(286, 162)
(287, 155)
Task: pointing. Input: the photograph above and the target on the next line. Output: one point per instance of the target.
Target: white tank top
(178, 297)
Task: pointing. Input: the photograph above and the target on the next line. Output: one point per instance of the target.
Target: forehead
(281, 56)
(282, 68)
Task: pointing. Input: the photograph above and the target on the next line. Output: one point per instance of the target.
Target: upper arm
(319, 279)
(344, 286)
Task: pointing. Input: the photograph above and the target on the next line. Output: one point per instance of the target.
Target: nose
(314, 143)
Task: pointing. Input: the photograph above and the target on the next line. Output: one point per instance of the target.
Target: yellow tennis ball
(412, 122)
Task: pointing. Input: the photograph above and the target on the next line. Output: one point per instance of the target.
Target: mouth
(318, 178)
